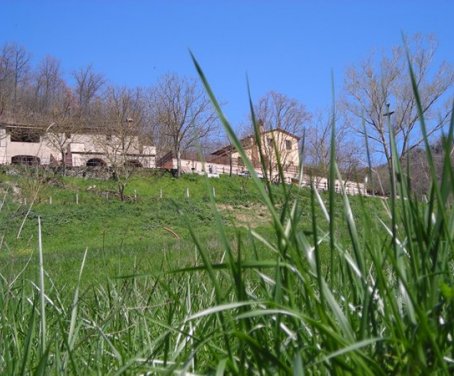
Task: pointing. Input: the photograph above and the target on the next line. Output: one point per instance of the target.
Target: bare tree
(276, 111)
(118, 138)
(183, 113)
(49, 87)
(318, 147)
(52, 104)
(152, 128)
(5, 79)
(62, 129)
(14, 73)
(374, 84)
(88, 85)
(21, 60)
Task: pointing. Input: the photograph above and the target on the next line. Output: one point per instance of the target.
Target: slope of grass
(331, 285)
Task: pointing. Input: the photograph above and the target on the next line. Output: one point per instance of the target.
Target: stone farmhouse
(50, 146)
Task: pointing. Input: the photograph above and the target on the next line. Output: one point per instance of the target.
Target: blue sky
(287, 46)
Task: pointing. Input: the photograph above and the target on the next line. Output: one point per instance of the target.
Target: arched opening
(28, 160)
(96, 162)
(134, 163)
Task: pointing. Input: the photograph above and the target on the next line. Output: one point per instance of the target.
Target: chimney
(260, 126)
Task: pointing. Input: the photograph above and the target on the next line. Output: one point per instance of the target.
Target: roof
(72, 128)
(22, 126)
(283, 131)
(228, 148)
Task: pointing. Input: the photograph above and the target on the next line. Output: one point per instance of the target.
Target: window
(288, 144)
(25, 135)
(28, 160)
(134, 163)
(269, 141)
(108, 137)
(67, 135)
(95, 162)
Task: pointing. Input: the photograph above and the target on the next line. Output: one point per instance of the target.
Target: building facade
(35, 145)
(278, 147)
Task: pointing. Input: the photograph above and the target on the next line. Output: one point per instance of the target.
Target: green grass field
(135, 247)
(248, 278)
(129, 237)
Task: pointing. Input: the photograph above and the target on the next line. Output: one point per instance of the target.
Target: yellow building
(278, 147)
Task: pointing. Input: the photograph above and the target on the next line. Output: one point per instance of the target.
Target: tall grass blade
(28, 340)
(73, 322)
(237, 144)
(332, 180)
(43, 336)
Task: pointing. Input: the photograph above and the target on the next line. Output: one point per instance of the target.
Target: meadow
(150, 226)
(308, 283)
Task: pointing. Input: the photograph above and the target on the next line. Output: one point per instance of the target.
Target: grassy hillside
(238, 278)
(243, 282)
(124, 237)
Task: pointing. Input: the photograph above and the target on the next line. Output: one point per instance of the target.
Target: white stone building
(38, 145)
